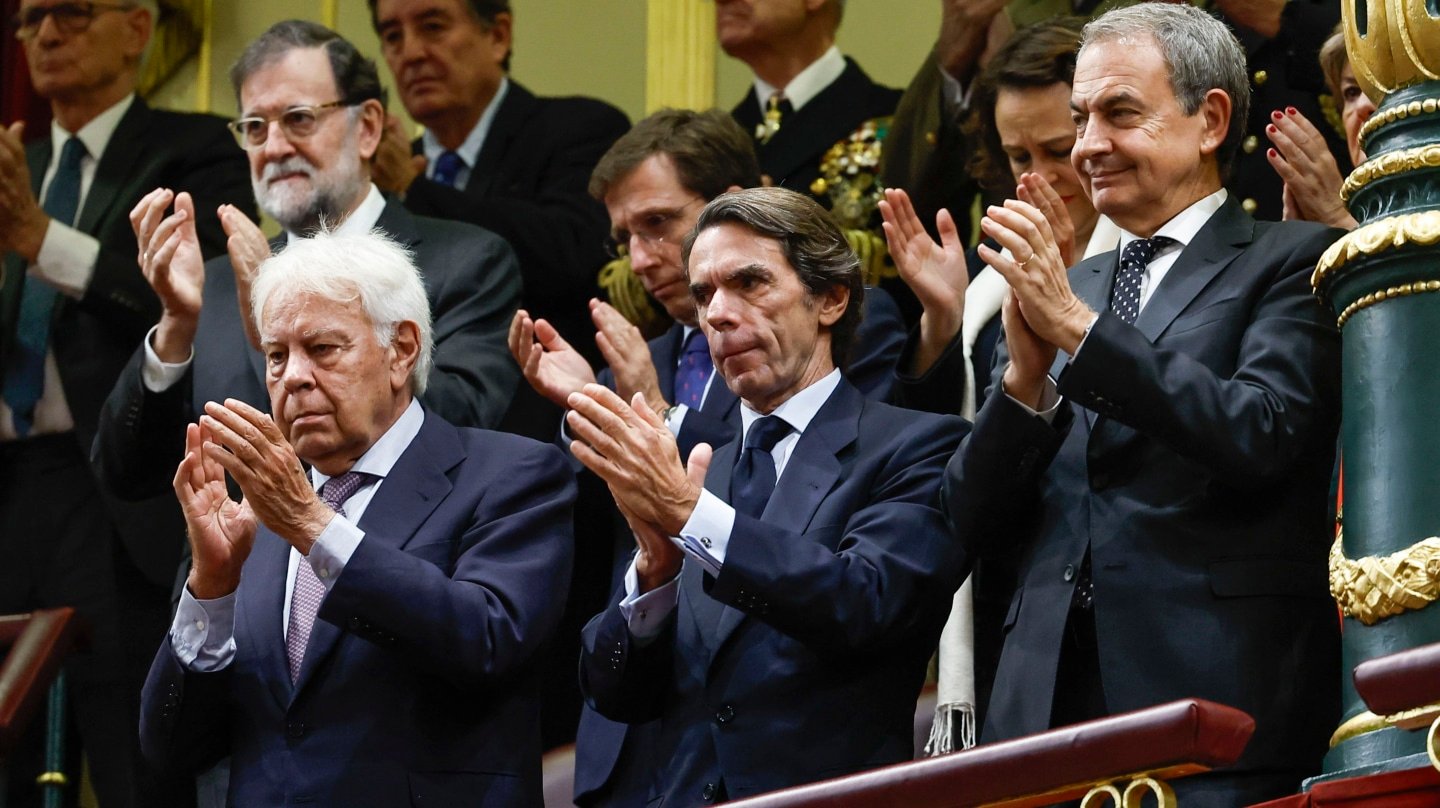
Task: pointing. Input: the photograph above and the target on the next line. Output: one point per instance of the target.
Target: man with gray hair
(311, 117)
(363, 633)
(72, 304)
(1159, 462)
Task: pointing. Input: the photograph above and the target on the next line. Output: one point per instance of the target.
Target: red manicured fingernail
(1272, 153)
(1270, 127)
(1292, 110)
(1275, 114)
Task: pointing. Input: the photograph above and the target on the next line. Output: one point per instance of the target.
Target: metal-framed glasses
(656, 227)
(70, 18)
(298, 123)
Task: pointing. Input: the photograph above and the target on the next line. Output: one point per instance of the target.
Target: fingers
(949, 234)
(607, 318)
(699, 463)
(1020, 228)
(146, 216)
(548, 337)
(521, 336)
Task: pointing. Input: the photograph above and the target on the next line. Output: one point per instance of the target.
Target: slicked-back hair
(356, 77)
(809, 239)
(1036, 57)
(1200, 54)
(483, 11)
(366, 268)
(709, 150)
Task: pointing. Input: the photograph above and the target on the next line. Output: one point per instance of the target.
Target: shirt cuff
(1050, 401)
(675, 418)
(706, 534)
(203, 633)
(645, 614)
(332, 550)
(67, 259)
(956, 95)
(157, 374)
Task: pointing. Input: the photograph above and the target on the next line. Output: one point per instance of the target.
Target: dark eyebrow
(751, 271)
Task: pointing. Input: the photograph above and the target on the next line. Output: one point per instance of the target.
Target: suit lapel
(399, 223)
(116, 165)
(1213, 248)
(827, 118)
(406, 498)
(515, 108)
(261, 610)
(810, 474)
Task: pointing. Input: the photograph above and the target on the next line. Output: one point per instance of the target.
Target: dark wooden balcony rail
(1404, 690)
(1124, 756)
(37, 644)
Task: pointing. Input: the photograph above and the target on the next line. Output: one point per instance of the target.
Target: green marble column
(1383, 282)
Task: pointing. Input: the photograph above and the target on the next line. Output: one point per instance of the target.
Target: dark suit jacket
(803, 658)
(473, 286)
(418, 684)
(599, 742)
(530, 185)
(1192, 457)
(92, 337)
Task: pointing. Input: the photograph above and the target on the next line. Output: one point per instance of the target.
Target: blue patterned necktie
(308, 592)
(694, 371)
(25, 371)
(754, 478)
(1125, 297)
(447, 168)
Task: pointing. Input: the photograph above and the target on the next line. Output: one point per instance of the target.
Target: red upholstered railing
(1399, 682)
(1164, 742)
(36, 645)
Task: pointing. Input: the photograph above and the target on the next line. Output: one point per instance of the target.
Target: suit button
(708, 792)
(1261, 77)
(295, 730)
(1248, 206)
(1069, 572)
(724, 714)
(1250, 144)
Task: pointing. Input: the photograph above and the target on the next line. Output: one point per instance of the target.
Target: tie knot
(340, 488)
(1141, 251)
(447, 168)
(766, 432)
(72, 153)
(696, 343)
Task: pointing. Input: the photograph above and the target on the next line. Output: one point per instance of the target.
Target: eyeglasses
(71, 18)
(297, 122)
(657, 227)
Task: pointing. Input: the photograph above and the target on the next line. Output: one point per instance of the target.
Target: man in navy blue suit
(364, 633)
(780, 610)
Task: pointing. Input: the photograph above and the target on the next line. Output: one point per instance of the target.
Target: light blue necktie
(25, 372)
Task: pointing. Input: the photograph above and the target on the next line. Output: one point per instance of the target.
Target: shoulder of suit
(1303, 235)
(169, 120)
(575, 110)
(452, 232)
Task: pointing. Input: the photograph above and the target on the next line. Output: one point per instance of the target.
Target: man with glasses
(72, 304)
(496, 155)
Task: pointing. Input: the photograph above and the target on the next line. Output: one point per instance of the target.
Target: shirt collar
(798, 410)
(808, 83)
(96, 134)
(1185, 224)
(360, 220)
(469, 150)
(380, 458)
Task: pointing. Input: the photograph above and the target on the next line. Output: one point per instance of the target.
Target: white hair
(369, 268)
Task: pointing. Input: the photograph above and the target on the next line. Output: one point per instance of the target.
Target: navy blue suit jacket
(813, 640)
(1192, 457)
(419, 682)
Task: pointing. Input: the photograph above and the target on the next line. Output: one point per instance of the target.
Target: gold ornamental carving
(1400, 45)
(1108, 794)
(1401, 290)
(1375, 588)
(1414, 109)
(1376, 237)
(1388, 165)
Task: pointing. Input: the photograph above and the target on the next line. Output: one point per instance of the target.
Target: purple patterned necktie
(694, 371)
(308, 592)
(1125, 297)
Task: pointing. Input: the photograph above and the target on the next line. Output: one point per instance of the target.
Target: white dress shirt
(203, 632)
(469, 150)
(807, 84)
(66, 261)
(706, 535)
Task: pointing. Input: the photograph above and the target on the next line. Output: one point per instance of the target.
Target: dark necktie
(305, 598)
(694, 371)
(1125, 297)
(754, 477)
(447, 168)
(25, 372)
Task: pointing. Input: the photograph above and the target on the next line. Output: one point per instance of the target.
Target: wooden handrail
(1167, 741)
(37, 644)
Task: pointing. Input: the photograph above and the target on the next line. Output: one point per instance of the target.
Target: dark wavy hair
(710, 152)
(1037, 56)
(356, 77)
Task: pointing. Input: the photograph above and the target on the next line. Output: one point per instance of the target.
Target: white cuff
(675, 418)
(707, 533)
(158, 375)
(332, 550)
(645, 614)
(203, 632)
(67, 259)
(1050, 401)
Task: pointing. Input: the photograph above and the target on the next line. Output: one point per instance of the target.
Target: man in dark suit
(788, 640)
(364, 633)
(308, 161)
(496, 155)
(1164, 487)
(71, 302)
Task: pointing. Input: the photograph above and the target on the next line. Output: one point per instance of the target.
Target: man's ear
(1215, 109)
(831, 304)
(371, 128)
(501, 30)
(405, 352)
(139, 27)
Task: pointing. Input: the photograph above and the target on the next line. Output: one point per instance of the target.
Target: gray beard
(324, 204)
